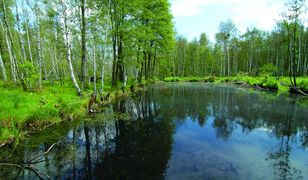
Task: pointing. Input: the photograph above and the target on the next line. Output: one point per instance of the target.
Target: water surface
(177, 131)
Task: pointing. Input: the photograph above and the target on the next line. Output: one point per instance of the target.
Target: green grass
(19, 109)
(54, 103)
(189, 79)
(267, 82)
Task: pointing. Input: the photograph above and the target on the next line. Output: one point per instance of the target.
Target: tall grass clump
(53, 103)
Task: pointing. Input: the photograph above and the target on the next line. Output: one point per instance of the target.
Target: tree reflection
(142, 147)
(279, 156)
(88, 159)
(137, 142)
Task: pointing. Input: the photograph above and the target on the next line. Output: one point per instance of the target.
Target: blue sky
(192, 17)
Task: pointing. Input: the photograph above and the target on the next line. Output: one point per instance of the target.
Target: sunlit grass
(49, 105)
(281, 84)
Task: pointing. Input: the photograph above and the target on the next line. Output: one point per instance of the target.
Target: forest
(83, 41)
(86, 88)
(92, 41)
(56, 55)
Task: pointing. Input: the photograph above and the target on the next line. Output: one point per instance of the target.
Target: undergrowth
(267, 82)
(53, 103)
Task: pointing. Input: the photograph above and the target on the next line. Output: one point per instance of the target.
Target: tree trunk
(225, 58)
(102, 74)
(12, 65)
(68, 54)
(299, 52)
(294, 55)
(114, 63)
(83, 44)
(38, 41)
(229, 64)
(44, 68)
(149, 65)
(305, 60)
(19, 74)
(94, 66)
(28, 36)
(250, 59)
(221, 65)
(19, 33)
(3, 71)
(54, 69)
(277, 60)
(154, 63)
(184, 62)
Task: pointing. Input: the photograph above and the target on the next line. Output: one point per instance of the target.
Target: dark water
(176, 131)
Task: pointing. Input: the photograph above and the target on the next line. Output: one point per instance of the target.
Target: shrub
(268, 69)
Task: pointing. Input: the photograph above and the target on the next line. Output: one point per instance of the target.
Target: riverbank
(25, 112)
(261, 83)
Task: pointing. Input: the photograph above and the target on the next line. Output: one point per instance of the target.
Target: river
(175, 131)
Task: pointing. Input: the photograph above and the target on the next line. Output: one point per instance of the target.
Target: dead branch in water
(27, 165)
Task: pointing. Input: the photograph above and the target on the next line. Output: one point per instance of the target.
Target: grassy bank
(21, 111)
(263, 82)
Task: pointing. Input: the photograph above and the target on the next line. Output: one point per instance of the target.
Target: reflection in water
(177, 131)
(280, 154)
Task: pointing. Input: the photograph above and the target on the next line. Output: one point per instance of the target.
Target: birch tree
(38, 41)
(295, 9)
(2, 67)
(12, 65)
(83, 43)
(11, 44)
(68, 48)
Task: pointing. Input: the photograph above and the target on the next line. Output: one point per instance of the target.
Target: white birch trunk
(125, 81)
(53, 61)
(299, 52)
(3, 70)
(102, 73)
(27, 32)
(94, 67)
(38, 41)
(29, 44)
(13, 70)
(19, 34)
(68, 54)
(19, 74)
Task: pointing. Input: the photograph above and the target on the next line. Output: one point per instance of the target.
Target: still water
(176, 131)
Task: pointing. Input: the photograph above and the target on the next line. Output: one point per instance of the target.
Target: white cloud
(260, 13)
(188, 8)
(192, 17)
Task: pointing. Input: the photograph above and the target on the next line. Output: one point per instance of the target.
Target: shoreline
(266, 83)
(16, 128)
(77, 107)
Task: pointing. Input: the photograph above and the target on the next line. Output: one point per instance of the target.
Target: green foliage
(268, 69)
(303, 84)
(30, 73)
(189, 79)
(269, 83)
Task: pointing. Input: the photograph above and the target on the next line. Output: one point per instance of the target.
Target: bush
(303, 85)
(268, 69)
(269, 83)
